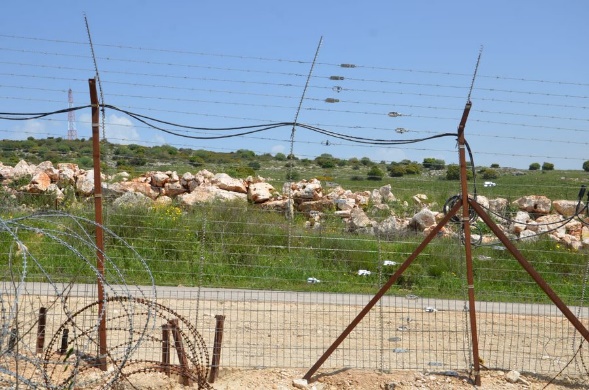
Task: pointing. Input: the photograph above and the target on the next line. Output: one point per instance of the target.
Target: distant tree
(245, 154)
(397, 170)
(366, 161)
(547, 166)
(374, 173)
(534, 166)
(325, 161)
(433, 163)
(586, 166)
(489, 174)
(413, 168)
(494, 165)
(280, 156)
(254, 165)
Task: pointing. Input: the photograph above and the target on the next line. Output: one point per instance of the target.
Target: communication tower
(72, 133)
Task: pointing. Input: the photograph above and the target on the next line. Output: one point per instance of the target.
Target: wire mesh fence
(286, 289)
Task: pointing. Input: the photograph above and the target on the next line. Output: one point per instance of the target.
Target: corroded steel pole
(102, 350)
(468, 244)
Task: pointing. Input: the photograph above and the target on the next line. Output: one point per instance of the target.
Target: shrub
(490, 173)
(325, 161)
(375, 173)
(433, 163)
(534, 166)
(413, 168)
(494, 165)
(547, 166)
(292, 175)
(254, 165)
(397, 170)
(586, 166)
(453, 172)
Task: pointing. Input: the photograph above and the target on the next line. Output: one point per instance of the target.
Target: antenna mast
(72, 133)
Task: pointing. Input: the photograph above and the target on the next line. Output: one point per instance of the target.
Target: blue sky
(233, 63)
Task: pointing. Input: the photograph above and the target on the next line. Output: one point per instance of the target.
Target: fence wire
(284, 299)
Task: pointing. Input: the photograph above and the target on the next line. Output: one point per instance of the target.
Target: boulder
(387, 227)
(528, 235)
(260, 192)
(186, 179)
(208, 194)
(316, 205)
(498, 205)
(537, 204)
(132, 200)
(226, 182)
(307, 190)
(159, 179)
(203, 177)
(567, 208)
(483, 201)
(423, 219)
(345, 204)
(386, 193)
(376, 197)
(276, 205)
(173, 189)
(551, 222)
(39, 183)
(66, 177)
(520, 222)
(22, 168)
(6, 172)
(56, 191)
(85, 183)
(420, 199)
(359, 220)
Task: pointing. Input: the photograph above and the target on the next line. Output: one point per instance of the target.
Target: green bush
(547, 166)
(292, 175)
(433, 163)
(490, 173)
(397, 170)
(374, 173)
(453, 172)
(534, 166)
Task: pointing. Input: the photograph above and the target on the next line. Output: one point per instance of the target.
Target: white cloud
(277, 149)
(32, 128)
(118, 129)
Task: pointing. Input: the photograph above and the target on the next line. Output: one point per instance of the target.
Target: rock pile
(536, 214)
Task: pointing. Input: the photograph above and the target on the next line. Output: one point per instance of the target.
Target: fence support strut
(465, 203)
